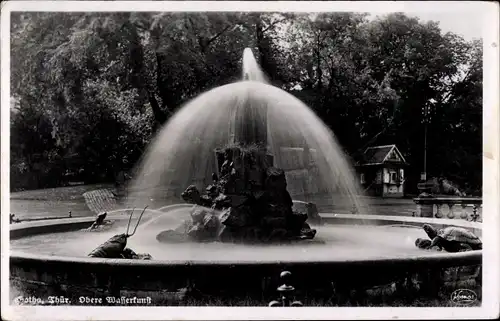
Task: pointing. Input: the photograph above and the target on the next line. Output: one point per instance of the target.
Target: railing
(467, 208)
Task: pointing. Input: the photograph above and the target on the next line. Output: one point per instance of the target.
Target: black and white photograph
(269, 158)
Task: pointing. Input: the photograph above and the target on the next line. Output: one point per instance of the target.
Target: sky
(465, 18)
(467, 25)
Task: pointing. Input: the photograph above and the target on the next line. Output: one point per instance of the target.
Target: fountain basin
(171, 280)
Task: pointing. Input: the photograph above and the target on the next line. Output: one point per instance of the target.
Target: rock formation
(246, 203)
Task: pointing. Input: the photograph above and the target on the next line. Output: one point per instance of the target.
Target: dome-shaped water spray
(246, 112)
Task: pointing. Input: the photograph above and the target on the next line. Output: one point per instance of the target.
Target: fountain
(264, 163)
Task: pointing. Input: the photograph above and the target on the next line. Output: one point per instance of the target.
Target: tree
(330, 54)
(93, 90)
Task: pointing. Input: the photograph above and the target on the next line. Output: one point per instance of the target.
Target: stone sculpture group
(247, 202)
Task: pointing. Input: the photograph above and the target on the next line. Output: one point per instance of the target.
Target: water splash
(249, 111)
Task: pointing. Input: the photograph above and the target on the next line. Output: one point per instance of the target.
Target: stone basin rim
(446, 258)
(462, 257)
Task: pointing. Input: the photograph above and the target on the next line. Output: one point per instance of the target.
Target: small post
(425, 205)
(475, 215)
(13, 219)
(451, 214)
(463, 213)
(285, 290)
(438, 211)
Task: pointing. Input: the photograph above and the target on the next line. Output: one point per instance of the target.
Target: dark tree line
(90, 89)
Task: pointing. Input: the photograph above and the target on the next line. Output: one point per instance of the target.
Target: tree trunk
(264, 48)
(318, 63)
(139, 76)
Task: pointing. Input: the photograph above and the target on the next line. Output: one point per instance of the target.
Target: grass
(443, 299)
(419, 303)
(378, 296)
(57, 194)
(52, 202)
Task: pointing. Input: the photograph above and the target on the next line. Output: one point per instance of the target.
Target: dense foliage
(90, 89)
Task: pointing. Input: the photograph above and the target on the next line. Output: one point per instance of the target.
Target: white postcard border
(491, 190)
